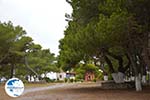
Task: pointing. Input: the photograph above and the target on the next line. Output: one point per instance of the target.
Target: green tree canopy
(15, 47)
(106, 29)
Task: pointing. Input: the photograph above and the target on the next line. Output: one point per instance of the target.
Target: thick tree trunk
(143, 68)
(120, 61)
(119, 76)
(148, 73)
(138, 79)
(138, 84)
(128, 66)
(111, 69)
(144, 81)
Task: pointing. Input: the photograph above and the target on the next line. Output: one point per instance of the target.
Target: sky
(43, 20)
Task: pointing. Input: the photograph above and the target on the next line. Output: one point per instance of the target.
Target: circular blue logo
(14, 87)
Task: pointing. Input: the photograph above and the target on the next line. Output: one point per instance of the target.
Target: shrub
(48, 80)
(66, 80)
(94, 80)
(71, 80)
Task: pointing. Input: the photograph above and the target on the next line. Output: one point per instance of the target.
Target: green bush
(94, 80)
(25, 81)
(71, 80)
(110, 77)
(59, 81)
(48, 80)
(66, 80)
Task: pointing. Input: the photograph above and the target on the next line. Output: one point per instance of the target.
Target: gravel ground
(78, 91)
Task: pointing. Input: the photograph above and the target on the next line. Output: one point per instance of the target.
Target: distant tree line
(20, 56)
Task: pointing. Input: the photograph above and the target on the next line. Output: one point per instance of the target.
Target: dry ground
(77, 91)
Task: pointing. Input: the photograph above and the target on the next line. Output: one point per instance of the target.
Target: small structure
(32, 78)
(51, 75)
(3, 79)
(70, 75)
(89, 76)
(61, 76)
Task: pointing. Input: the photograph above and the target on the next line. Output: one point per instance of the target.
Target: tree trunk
(138, 84)
(144, 74)
(4, 57)
(120, 61)
(143, 68)
(27, 65)
(144, 79)
(111, 69)
(12, 73)
(119, 76)
(148, 73)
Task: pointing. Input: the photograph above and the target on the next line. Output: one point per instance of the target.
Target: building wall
(61, 76)
(52, 75)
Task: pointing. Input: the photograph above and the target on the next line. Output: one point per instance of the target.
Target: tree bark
(12, 73)
(119, 76)
(129, 63)
(111, 69)
(120, 61)
(144, 79)
(4, 57)
(138, 84)
(27, 65)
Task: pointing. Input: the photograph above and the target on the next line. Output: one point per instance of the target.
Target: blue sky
(43, 20)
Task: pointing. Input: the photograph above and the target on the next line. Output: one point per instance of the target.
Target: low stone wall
(113, 85)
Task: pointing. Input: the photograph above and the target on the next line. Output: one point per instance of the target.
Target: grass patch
(38, 84)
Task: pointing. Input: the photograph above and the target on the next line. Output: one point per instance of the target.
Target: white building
(61, 76)
(51, 75)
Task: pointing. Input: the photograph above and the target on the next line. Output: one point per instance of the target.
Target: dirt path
(35, 89)
(80, 91)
